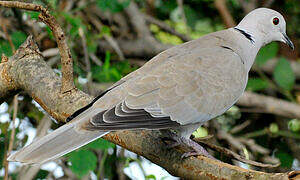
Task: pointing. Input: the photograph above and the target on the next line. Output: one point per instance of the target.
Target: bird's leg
(197, 148)
(176, 140)
(170, 136)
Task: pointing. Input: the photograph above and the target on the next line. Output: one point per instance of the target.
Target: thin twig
(181, 9)
(240, 127)
(166, 27)
(253, 146)
(66, 58)
(114, 44)
(12, 135)
(224, 12)
(87, 60)
(248, 5)
(95, 59)
(236, 156)
(8, 37)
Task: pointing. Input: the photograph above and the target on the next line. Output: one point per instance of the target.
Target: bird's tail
(59, 142)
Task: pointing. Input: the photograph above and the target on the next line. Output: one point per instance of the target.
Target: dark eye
(275, 21)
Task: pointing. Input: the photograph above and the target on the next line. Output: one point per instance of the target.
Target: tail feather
(58, 143)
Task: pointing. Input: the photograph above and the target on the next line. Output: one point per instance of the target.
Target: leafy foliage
(42, 174)
(82, 161)
(294, 125)
(75, 22)
(100, 144)
(284, 75)
(17, 37)
(286, 159)
(266, 53)
(113, 6)
(257, 84)
(111, 72)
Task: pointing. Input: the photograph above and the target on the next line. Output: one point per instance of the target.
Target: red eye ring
(275, 21)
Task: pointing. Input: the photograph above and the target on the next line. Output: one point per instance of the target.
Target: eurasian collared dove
(180, 88)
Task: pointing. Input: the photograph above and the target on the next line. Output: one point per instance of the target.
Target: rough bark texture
(27, 71)
(47, 18)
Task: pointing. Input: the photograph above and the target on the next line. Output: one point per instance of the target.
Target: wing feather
(185, 85)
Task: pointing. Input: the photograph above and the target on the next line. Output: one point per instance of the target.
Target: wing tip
(11, 158)
(14, 158)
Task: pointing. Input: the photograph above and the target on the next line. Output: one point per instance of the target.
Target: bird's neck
(254, 42)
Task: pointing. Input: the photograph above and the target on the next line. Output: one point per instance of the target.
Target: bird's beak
(287, 41)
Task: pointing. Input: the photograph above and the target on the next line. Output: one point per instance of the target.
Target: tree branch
(225, 14)
(47, 18)
(166, 27)
(43, 84)
(270, 105)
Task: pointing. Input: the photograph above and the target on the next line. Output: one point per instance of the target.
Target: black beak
(288, 41)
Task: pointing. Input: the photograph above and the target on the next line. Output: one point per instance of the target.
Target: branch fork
(67, 84)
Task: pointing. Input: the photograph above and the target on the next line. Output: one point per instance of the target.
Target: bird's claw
(175, 141)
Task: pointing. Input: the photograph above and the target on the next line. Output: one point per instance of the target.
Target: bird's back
(191, 82)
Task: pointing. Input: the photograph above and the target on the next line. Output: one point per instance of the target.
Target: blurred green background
(107, 42)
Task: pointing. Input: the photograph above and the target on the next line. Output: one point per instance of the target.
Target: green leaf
(106, 64)
(284, 75)
(150, 177)
(100, 144)
(286, 159)
(191, 16)
(200, 132)
(42, 174)
(52, 3)
(33, 14)
(294, 125)
(113, 6)
(266, 53)
(75, 22)
(82, 161)
(110, 166)
(105, 30)
(257, 84)
(18, 38)
(5, 48)
(2, 151)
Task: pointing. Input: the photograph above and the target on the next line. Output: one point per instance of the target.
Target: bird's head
(267, 25)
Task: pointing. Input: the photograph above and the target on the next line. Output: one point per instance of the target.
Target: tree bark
(27, 71)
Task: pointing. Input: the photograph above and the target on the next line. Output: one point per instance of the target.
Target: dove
(181, 88)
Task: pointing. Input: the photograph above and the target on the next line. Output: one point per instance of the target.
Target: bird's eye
(275, 21)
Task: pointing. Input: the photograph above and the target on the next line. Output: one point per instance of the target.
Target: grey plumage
(180, 88)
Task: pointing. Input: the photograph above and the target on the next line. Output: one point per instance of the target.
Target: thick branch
(30, 73)
(47, 18)
(27, 71)
(141, 47)
(270, 105)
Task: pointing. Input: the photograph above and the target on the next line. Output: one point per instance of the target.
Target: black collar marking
(248, 36)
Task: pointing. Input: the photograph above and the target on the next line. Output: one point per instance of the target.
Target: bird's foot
(171, 138)
(197, 149)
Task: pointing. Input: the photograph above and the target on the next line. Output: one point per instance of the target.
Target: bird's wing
(190, 87)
